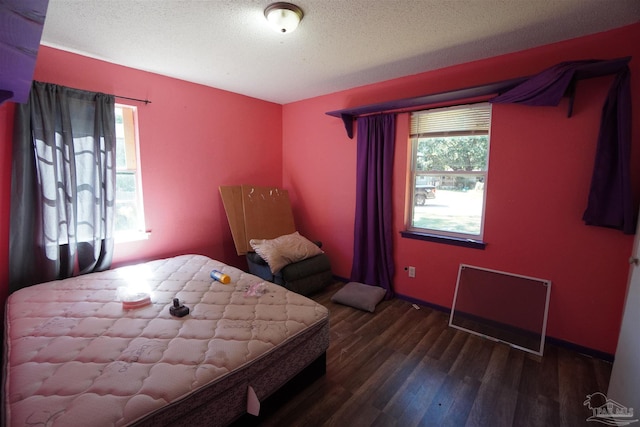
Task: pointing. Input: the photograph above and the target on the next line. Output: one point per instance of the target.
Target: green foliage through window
(463, 153)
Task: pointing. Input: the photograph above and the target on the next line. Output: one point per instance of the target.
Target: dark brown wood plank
(505, 367)
(327, 397)
(472, 359)
(494, 405)
(535, 411)
(410, 406)
(576, 381)
(402, 366)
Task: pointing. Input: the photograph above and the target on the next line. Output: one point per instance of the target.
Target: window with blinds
(466, 119)
(450, 157)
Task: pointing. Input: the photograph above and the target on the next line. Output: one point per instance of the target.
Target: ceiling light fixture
(284, 17)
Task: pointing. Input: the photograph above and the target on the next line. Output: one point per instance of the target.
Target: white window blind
(458, 120)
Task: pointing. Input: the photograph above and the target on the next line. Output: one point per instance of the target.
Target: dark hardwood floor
(405, 367)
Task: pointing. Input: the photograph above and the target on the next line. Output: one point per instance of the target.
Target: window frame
(132, 167)
(443, 129)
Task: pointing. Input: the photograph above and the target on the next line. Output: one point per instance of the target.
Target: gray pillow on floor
(360, 296)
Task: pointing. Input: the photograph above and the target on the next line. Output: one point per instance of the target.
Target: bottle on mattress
(220, 277)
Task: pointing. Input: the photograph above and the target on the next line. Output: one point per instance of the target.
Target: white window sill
(131, 236)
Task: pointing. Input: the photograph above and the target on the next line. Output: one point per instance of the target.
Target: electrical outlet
(412, 271)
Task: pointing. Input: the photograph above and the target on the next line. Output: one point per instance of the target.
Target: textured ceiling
(339, 44)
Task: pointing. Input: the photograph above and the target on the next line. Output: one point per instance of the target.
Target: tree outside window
(449, 171)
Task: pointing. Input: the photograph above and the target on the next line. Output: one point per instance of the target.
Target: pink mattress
(75, 357)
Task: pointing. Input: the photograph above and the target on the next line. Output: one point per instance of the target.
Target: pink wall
(192, 140)
(195, 138)
(540, 169)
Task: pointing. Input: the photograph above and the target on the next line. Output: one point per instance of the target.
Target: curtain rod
(146, 101)
(349, 115)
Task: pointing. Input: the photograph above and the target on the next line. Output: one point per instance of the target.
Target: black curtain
(63, 185)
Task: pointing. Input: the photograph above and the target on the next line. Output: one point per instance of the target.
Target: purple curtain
(373, 235)
(610, 198)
